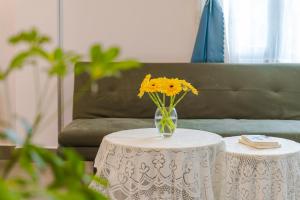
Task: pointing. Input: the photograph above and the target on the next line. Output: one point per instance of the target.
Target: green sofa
(234, 99)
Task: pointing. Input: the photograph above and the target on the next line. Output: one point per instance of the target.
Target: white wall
(43, 15)
(149, 30)
(19, 15)
(7, 19)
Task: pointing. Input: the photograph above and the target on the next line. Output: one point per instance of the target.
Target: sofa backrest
(240, 91)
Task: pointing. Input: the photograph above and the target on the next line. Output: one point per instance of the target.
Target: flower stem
(159, 100)
(182, 96)
(154, 100)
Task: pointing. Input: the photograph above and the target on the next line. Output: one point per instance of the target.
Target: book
(259, 141)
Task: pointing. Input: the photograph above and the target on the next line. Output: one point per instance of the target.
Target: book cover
(259, 139)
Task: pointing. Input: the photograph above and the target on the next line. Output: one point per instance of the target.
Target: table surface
(287, 147)
(150, 138)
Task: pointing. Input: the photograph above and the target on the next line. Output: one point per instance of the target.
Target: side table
(139, 164)
(267, 174)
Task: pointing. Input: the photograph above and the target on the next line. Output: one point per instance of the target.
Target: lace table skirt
(139, 173)
(261, 177)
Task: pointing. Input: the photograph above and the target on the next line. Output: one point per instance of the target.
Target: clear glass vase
(166, 121)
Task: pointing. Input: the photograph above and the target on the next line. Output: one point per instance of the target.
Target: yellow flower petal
(144, 85)
(189, 87)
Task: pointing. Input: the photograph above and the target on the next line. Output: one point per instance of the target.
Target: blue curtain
(209, 45)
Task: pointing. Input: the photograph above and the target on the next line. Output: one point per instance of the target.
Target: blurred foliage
(69, 179)
(102, 63)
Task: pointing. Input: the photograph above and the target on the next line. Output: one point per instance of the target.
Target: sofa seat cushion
(89, 132)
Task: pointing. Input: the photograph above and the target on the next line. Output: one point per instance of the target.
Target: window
(260, 31)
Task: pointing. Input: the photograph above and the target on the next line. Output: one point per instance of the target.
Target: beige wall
(149, 30)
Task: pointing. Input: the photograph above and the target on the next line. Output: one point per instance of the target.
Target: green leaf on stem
(103, 63)
(96, 54)
(32, 36)
(58, 54)
(26, 163)
(61, 61)
(40, 52)
(58, 69)
(111, 54)
(20, 59)
(79, 69)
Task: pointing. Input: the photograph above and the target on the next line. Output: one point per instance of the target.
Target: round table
(260, 174)
(140, 164)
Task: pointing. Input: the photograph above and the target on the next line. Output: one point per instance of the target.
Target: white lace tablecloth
(252, 174)
(139, 164)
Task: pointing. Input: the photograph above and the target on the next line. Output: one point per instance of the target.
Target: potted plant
(69, 179)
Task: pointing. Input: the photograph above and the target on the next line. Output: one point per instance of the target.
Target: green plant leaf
(96, 54)
(103, 63)
(32, 36)
(6, 193)
(26, 162)
(19, 60)
(59, 69)
(43, 39)
(61, 61)
(39, 51)
(126, 64)
(38, 160)
(111, 54)
(96, 71)
(58, 54)
(74, 58)
(79, 69)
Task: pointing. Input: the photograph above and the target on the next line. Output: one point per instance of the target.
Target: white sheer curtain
(262, 31)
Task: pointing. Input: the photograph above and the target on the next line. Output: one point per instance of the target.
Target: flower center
(171, 86)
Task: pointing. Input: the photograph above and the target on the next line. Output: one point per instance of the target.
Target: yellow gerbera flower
(161, 84)
(186, 86)
(154, 85)
(144, 85)
(172, 87)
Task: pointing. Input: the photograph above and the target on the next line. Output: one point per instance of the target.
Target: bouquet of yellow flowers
(166, 93)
